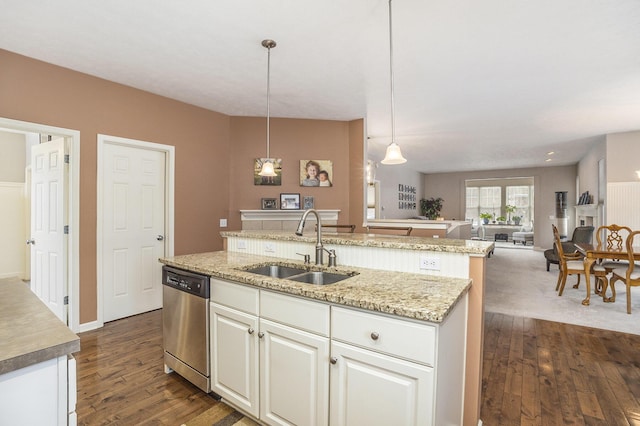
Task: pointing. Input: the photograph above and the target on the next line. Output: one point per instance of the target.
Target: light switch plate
(223, 223)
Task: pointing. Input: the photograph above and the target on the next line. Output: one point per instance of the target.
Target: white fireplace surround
(284, 220)
(589, 215)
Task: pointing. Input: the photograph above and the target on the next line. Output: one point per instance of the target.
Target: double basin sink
(302, 275)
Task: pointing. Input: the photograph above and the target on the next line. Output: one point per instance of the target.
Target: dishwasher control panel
(187, 281)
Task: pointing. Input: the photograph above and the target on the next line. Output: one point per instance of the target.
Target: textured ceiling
(478, 85)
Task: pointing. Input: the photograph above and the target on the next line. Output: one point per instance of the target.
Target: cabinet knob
(374, 335)
(250, 330)
(333, 360)
(261, 334)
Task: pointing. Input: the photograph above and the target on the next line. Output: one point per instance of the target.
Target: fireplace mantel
(589, 215)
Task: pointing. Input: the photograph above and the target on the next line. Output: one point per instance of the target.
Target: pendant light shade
(393, 155)
(267, 165)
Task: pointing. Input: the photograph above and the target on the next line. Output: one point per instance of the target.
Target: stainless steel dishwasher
(185, 325)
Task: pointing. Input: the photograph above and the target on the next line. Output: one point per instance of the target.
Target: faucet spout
(300, 230)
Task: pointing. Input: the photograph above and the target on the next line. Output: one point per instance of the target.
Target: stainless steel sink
(319, 277)
(276, 271)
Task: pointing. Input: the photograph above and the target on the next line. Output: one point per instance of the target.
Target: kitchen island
(34, 360)
(434, 309)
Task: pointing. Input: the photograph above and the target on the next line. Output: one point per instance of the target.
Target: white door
(294, 376)
(48, 215)
(133, 228)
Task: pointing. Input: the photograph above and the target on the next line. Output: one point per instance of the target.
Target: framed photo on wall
(267, 180)
(289, 201)
(269, 203)
(316, 173)
(307, 202)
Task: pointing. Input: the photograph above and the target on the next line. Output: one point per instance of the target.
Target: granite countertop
(450, 245)
(30, 333)
(416, 296)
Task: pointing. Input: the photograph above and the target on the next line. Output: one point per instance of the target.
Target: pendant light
(267, 166)
(393, 155)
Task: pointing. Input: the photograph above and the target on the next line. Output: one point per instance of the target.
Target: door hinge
(66, 300)
(66, 158)
(66, 229)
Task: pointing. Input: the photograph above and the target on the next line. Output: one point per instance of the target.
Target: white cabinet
(369, 388)
(261, 362)
(47, 385)
(234, 357)
(291, 361)
(394, 371)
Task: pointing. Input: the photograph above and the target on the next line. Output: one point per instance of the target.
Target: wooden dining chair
(397, 230)
(570, 263)
(609, 237)
(630, 274)
(338, 228)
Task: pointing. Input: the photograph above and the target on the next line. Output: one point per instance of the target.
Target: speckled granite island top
(415, 296)
(471, 247)
(29, 332)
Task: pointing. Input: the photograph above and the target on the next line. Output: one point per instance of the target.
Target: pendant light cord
(393, 115)
(268, 93)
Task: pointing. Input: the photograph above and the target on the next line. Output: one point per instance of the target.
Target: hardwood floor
(534, 373)
(547, 373)
(121, 380)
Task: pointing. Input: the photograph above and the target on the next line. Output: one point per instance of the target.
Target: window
(493, 195)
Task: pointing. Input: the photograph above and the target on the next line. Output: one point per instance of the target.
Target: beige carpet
(519, 284)
(220, 415)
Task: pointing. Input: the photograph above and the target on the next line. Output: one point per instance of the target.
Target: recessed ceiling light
(550, 152)
(548, 159)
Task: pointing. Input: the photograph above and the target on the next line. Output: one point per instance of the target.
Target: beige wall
(292, 141)
(214, 152)
(13, 158)
(547, 180)
(623, 156)
(38, 92)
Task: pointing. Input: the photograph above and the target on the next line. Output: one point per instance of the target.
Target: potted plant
(509, 209)
(501, 220)
(431, 207)
(486, 217)
(516, 220)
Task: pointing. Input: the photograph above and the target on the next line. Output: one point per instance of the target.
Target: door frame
(72, 253)
(169, 151)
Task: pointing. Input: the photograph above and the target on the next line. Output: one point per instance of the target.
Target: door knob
(31, 241)
(160, 237)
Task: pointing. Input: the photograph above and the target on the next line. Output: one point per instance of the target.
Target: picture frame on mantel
(269, 204)
(289, 201)
(307, 203)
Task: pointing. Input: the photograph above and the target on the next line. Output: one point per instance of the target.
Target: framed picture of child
(316, 173)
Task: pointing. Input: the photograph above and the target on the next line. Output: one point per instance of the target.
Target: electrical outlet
(270, 247)
(242, 245)
(223, 223)
(431, 263)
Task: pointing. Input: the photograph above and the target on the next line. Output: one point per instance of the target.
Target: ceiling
(478, 84)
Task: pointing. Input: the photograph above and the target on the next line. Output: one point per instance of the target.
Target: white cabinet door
(234, 357)
(368, 388)
(294, 376)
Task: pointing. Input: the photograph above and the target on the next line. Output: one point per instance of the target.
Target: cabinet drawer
(404, 339)
(235, 296)
(295, 312)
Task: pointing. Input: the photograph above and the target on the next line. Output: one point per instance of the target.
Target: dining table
(593, 253)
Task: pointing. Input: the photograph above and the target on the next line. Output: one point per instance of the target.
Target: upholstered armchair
(581, 234)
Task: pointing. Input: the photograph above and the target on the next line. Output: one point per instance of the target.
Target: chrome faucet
(300, 230)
